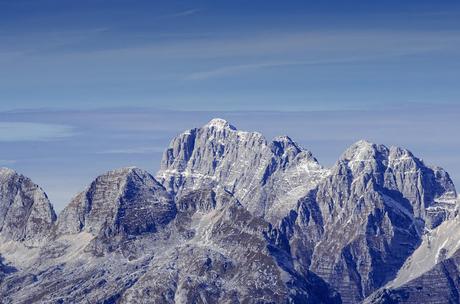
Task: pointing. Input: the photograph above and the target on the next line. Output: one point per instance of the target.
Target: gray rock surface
(430, 274)
(358, 227)
(213, 250)
(266, 177)
(223, 257)
(125, 201)
(439, 285)
(26, 214)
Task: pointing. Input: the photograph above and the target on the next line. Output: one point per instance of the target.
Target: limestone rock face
(266, 177)
(224, 258)
(430, 274)
(438, 285)
(124, 201)
(360, 224)
(429, 190)
(26, 214)
(213, 251)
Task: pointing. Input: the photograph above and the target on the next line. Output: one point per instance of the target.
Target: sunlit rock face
(362, 222)
(267, 177)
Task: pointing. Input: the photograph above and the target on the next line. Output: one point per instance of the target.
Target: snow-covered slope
(437, 245)
(430, 274)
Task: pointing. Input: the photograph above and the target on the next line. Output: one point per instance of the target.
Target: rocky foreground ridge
(232, 217)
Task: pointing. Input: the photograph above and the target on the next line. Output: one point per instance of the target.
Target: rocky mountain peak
(126, 201)
(26, 215)
(6, 171)
(397, 170)
(285, 140)
(283, 144)
(359, 147)
(262, 175)
(398, 152)
(364, 151)
(220, 124)
(373, 206)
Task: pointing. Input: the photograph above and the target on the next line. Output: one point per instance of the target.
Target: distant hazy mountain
(232, 217)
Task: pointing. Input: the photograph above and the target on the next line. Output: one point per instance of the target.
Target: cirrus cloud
(31, 131)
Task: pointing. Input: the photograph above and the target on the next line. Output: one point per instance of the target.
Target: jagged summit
(360, 146)
(6, 171)
(286, 141)
(220, 124)
(266, 177)
(124, 170)
(283, 138)
(374, 206)
(397, 169)
(363, 150)
(283, 145)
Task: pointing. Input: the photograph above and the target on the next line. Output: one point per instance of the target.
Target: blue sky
(324, 72)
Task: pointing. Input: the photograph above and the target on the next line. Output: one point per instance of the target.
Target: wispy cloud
(315, 44)
(235, 69)
(229, 70)
(186, 12)
(29, 131)
(7, 161)
(213, 45)
(138, 150)
(240, 68)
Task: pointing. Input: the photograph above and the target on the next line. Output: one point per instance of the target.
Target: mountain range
(232, 217)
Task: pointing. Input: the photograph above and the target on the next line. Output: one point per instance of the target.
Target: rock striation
(438, 285)
(204, 247)
(125, 201)
(266, 177)
(224, 258)
(360, 224)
